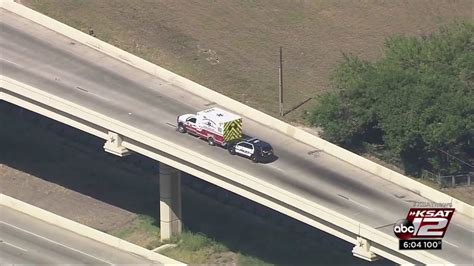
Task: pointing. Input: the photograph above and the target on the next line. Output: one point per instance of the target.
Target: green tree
(417, 101)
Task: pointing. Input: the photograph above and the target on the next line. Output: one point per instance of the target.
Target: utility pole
(280, 94)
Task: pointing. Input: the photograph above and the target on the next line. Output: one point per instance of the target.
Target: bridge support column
(114, 145)
(362, 250)
(170, 201)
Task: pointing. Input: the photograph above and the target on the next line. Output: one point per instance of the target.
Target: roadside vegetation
(414, 107)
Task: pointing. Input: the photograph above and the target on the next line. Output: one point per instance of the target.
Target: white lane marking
(353, 201)
(277, 168)
(467, 229)
(360, 204)
(11, 245)
(8, 61)
(57, 243)
(105, 99)
(449, 243)
(171, 124)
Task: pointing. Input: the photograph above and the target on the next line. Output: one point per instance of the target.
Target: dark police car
(253, 148)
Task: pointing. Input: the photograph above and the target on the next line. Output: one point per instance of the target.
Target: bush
(417, 101)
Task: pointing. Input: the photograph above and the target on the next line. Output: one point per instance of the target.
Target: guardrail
(449, 180)
(244, 110)
(214, 172)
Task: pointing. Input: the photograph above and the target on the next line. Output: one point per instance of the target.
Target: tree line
(414, 106)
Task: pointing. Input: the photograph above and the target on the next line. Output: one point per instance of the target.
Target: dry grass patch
(232, 46)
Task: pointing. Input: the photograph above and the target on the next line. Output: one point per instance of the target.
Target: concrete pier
(362, 250)
(170, 201)
(114, 145)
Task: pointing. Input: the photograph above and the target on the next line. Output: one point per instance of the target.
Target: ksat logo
(424, 223)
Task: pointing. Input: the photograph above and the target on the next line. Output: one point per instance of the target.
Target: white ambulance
(215, 125)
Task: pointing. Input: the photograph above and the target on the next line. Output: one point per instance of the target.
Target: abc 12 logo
(423, 223)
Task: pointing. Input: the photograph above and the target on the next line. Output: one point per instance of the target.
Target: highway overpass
(27, 240)
(106, 96)
(30, 235)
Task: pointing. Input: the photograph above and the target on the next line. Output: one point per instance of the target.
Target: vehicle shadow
(269, 160)
(266, 160)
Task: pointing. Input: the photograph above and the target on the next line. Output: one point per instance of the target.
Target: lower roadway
(27, 240)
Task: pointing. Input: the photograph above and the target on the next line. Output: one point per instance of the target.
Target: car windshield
(266, 147)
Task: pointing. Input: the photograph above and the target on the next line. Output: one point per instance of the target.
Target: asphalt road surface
(27, 240)
(44, 59)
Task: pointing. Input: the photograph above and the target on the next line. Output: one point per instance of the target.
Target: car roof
(257, 142)
(219, 115)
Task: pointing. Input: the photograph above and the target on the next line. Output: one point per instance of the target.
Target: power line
(456, 158)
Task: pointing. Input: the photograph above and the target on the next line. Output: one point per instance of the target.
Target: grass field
(232, 46)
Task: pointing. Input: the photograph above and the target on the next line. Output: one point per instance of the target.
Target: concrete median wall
(83, 230)
(258, 116)
(215, 172)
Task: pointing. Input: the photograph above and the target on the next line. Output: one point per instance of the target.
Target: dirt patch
(232, 46)
(465, 194)
(224, 258)
(63, 201)
(72, 179)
